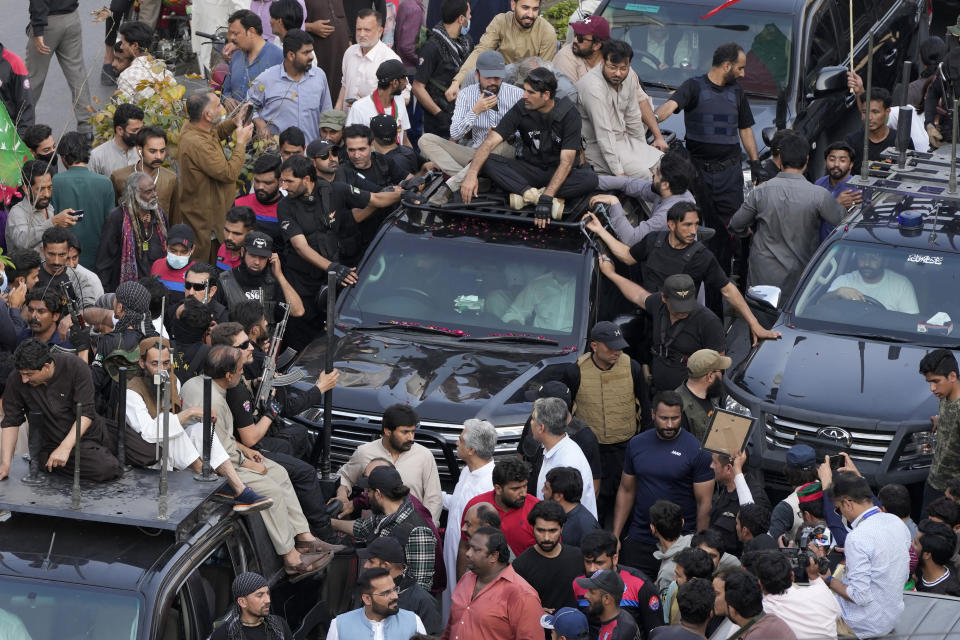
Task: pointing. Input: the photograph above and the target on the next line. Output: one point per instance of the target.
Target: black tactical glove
(757, 174)
(79, 337)
(411, 196)
(271, 409)
(544, 208)
(339, 270)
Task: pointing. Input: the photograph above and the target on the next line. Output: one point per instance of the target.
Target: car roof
(758, 6)
(83, 552)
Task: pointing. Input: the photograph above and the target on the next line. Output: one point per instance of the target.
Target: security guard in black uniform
(317, 226)
(718, 119)
(259, 277)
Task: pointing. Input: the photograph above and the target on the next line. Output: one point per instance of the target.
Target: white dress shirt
(567, 453)
(360, 71)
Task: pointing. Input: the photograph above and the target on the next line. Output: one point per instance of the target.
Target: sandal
(310, 564)
(318, 546)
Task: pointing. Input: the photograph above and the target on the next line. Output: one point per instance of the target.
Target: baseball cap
(552, 389)
(382, 478)
(181, 234)
(801, 456)
(568, 622)
(386, 548)
(391, 69)
(257, 243)
(702, 362)
(609, 334)
(596, 26)
(319, 147)
(332, 119)
(605, 580)
(681, 292)
(490, 64)
(384, 127)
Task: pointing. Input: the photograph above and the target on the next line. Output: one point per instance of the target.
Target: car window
(864, 17)
(480, 288)
(825, 43)
(884, 290)
(673, 42)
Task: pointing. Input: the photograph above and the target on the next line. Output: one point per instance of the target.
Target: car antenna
(864, 161)
(45, 565)
(903, 133)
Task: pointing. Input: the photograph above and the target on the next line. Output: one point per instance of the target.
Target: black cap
(552, 389)
(605, 580)
(321, 147)
(383, 478)
(681, 293)
(609, 334)
(257, 243)
(392, 69)
(181, 234)
(386, 548)
(383, 126)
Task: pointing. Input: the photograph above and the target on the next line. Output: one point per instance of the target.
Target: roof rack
(925, 175)
(132, 499)
(488, 209)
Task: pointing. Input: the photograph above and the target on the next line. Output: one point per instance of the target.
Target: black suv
(793, 49)
(458, 312)
(844, 376)
(113, 569)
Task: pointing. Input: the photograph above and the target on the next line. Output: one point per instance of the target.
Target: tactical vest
(663, 261)
(605, 400)
(714, 120)
(235, 294)
(551, 136)
(794, 501)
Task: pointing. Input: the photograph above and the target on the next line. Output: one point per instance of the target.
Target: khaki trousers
(454, 159)
(284, 519)
(64, 35)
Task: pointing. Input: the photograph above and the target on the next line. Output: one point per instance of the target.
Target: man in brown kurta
(208, 178)
(152, 149)
(328, 46)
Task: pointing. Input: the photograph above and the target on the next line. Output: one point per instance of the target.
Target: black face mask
(51, 159)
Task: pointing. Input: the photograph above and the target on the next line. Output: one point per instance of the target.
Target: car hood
(838, 375)
(764, 113)
(444, 380)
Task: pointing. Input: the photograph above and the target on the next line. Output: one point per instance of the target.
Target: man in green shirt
(939, 368)
(81, 189)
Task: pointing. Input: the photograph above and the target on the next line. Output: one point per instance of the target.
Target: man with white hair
(549, 427)
(475, 447)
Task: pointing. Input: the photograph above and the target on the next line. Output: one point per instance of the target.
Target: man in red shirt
(266, 194)
(512, 502)
(491, 602)
(238, 222)
(171, 270)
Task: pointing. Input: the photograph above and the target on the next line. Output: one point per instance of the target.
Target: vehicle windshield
(672, 42)
(883, 291)
(56, 611)
(468, 284)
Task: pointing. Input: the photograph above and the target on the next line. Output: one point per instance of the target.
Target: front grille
(861, 445)
(352, 429)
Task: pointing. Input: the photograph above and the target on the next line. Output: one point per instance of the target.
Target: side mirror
(767, 135)
(830, 80)
(765, 294)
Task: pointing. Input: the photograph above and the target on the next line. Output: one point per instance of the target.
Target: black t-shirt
(405, 158)
(724, 510)
(253, 633)
(337, 240)
(875, 149)
(436, 71)
(686, 97)
(552, 578)
(579, 523)
(382, 172)
(543, 135)
(948, 585)
(673, 343)
(240, 401)
(701, 265)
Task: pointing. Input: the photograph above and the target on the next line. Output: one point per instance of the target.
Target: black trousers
(639, 555)
(611, 468)
(97, 463)
(303, 477)
(516, 176)
(721, 196)
(292, 440)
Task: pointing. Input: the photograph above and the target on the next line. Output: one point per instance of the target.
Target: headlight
(923, 442)
(732, 405)
(509, 431)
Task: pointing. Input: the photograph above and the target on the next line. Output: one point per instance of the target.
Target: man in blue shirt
(665, 463)
(291, 94)
(253, 56)
(838, 161)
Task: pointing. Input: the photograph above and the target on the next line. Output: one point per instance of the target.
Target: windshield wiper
(521, 339)
(660, 85)
(869, 336)
(385, 325)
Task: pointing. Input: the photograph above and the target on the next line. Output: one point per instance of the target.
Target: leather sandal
(318, 546)
(310, 564)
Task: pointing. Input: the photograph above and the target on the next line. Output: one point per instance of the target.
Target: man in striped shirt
(478, 110)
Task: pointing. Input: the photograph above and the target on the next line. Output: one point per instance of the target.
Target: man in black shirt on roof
(547, 170)
(317, 227)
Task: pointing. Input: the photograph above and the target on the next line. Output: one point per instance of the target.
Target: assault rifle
(270, 378)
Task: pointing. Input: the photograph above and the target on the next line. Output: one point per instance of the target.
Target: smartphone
(248, 115)
(836, 462)
(78, 213)
(487, 94)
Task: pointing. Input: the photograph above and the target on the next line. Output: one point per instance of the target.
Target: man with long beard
(394, 515)
(152, 149)
(266, 194)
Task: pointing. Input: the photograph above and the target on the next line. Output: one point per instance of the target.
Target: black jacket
(40, 10)
(15, 89)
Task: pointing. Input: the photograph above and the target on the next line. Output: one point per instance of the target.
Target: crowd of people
(612, 521)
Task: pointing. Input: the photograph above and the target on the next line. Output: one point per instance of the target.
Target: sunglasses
(196, 286)
(326, 154)
(243, 346)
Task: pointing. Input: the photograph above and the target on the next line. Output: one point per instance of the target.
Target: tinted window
(824, 48)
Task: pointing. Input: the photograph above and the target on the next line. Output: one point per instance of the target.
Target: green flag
(13, 153)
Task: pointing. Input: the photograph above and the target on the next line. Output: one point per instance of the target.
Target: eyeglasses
(326, 154)
(196, 286)
(581, 38)
(386, 594)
